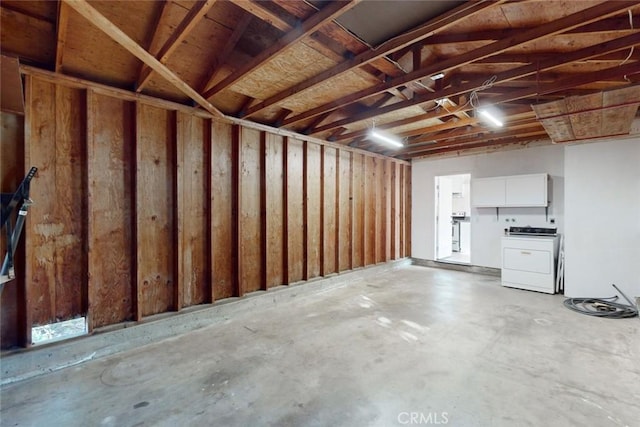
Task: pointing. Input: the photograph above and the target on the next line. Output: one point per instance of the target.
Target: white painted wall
(602, 232)
(486, 230)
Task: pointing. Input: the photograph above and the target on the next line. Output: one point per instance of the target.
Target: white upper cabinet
(511, 191)
(527, 190)
(488, 192)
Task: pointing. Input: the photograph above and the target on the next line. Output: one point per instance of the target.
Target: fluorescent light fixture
(487, 115)
(437, 76)
(375, 134)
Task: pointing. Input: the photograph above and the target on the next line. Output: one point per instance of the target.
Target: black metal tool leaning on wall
(10, 201)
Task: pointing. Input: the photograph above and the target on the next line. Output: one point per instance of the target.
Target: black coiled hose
(601, 307)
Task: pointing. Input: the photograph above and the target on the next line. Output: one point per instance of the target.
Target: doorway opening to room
(453, 218)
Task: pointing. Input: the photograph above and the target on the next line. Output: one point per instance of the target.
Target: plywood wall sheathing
(142, 209)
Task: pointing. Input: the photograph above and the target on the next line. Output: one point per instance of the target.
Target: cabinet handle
(525, 253)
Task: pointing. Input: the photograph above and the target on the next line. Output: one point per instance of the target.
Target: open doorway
(453, 218)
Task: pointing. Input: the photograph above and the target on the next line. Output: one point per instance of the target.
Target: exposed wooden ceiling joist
(100, 21)
(551, 28)
(224, 53)
(309, 26)
(333, 84)
(258, 10)
(468, 131)
(488, 144)
(587, 78)
(555, 61)
(605, 25)
(318, 40)
(532, 130)
(61, 34)
(424, 31)
(528, 58)
(193, 17)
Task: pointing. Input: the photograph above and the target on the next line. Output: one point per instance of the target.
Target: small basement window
(59, 331)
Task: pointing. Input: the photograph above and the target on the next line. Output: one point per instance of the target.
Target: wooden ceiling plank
(573, 81)
(514, 117)
(316, 122)
(226, 51)
(152, 41)
(458, 132)
(515, 73)
(309, 26)
(101, 22)
(318, 41)
(560, 25)
(61, 34)
(37, 16)
(437, 24)
(393, 124)
(488, 144)
(281, 116)
(528, 132)
(257, 10)
(602, 26)
(190, 21)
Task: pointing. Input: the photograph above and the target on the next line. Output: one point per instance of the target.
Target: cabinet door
(526, 190)
(488, 192)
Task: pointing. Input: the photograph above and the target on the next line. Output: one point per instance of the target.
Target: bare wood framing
(305, 210)
(197, 12)
(61, 34)
(99, 20)
(285, 210)
(223, 54)
(308, 27)
(397, 43)
(555, 27)
(255, 9)
(512, 74)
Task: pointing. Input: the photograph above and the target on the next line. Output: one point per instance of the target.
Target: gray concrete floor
(411, 346)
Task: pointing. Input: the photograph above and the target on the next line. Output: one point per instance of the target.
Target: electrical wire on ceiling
(473, 97)
(632, 47)
(603, 307)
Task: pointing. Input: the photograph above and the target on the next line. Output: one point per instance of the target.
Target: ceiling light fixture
(437, 76)
(375, 134)
(487, 115)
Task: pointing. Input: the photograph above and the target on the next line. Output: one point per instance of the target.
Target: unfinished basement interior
(320, 212)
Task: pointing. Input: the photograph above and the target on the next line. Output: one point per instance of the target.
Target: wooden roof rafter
(223, 55)
(378, 103)
(61, 34)
(615, 24)
(467, 131)
(400, 42)
(549, 88)
(483, 135)
(308, 27)
(512, 74)
(487, 144)
(456, 128)
(336, 38)
(318, 40)
(528, 58)
(258, 10)
(193, 17)
(98, 20)
(554, 27)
